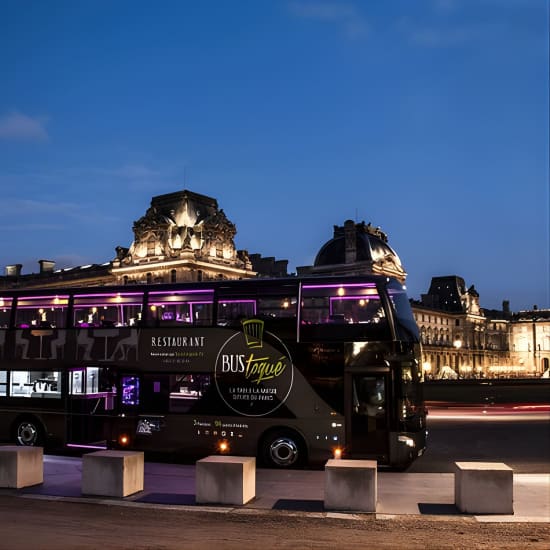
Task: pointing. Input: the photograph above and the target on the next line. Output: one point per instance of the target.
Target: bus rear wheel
(283, 449)
(28, 432)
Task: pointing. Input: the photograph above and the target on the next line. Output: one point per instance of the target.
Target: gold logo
(253, 332)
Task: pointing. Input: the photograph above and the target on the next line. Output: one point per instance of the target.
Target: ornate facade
(183, 236)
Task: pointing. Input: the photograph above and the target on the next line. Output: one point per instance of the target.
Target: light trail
(506, 413)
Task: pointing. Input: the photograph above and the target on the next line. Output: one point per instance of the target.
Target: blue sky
(428, 118)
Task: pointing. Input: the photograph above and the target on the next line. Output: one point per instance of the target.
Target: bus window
(41, 312)
(186, 390)
(76, 382)
(406, 326)
(5, 312)
(277, 307)
(116, 309)
(369, 396)
(91, 380)
(3, 382)
(35, 384)
(410, 403)
(231, 312)
(342, 312)
(180, 307)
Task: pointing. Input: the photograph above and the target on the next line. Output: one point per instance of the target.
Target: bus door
(90, 406)
(367, 427)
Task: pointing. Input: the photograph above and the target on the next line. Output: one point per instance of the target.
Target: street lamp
(457, 345)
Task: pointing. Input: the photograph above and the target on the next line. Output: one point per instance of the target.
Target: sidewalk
(300, 491)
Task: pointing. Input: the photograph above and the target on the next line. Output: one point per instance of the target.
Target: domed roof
(360, 247)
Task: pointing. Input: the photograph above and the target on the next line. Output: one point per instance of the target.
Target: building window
(151, 244)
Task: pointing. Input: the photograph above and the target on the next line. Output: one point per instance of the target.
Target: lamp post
(457, 345)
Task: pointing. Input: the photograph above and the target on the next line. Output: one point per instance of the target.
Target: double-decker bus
(290, 370)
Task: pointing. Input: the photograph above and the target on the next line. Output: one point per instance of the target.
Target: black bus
(291, 370)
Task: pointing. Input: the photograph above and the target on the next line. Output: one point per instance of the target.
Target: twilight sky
(429, 119)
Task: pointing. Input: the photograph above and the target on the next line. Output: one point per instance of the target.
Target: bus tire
(28, 432)
(283, 449)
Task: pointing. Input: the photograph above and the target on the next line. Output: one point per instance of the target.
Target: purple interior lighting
(109, 295)
(82, 446)
(50, 297)
(107, 304)
(160, 304)
(349, 285)
(180, 292)
(356, 298)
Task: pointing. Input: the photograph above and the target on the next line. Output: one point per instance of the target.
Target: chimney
(351, 241)
(46, 266)
(13, 270)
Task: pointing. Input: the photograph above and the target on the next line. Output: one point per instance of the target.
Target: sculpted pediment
(181, 224)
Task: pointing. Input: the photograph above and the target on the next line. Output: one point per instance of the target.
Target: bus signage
(254, 371)
(191, 348)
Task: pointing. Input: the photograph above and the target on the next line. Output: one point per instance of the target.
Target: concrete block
(484, 488)
(351, 485)
(225, 480)
(112, 473)
(21, 466)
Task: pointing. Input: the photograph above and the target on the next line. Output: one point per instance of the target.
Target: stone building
(530, 341)
(355, 249)
(457, 338)
(183, 236)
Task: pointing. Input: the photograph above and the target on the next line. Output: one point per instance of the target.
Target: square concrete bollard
(351, 485)
(21, 466)
(112, 473)
(484, 488)
(225, 480)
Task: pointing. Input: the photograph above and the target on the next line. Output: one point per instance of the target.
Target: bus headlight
(409, 441)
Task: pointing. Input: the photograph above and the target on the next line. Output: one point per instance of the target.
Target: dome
(358, 248)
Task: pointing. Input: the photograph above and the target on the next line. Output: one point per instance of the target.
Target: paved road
(519, 437)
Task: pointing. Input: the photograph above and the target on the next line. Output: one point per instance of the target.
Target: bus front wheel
(283, 449)
(28, 432)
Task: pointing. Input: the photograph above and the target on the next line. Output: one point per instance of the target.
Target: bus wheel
(28, 432)
(283, 449)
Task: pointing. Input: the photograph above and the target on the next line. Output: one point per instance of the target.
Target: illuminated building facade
(356, 249)
(185, 236)
(530, 340)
